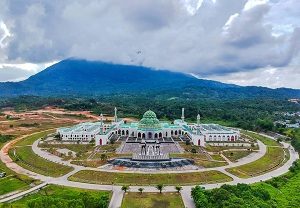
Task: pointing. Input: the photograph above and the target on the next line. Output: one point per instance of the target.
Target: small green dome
(149, 121)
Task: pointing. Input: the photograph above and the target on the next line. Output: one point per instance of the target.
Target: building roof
(149, 121)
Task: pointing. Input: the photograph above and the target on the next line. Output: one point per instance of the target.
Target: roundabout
(73, 177)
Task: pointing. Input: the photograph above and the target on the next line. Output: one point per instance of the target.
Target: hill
(93, 78)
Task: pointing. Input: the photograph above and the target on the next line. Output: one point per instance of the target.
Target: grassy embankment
(235, 155)
(274, 158)
(150, 200)
(12, 182)
(98, 177)
(23, 155)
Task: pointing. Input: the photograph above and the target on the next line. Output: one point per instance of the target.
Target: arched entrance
(149, 135)
(155, 135)
(139, 135)
(143, 135)
(100, 141)
(160, 135)
(199, 142)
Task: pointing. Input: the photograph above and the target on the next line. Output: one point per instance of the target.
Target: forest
(253, 114)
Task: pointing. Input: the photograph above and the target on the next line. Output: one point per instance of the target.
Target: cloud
(266, 77)
(204, 37)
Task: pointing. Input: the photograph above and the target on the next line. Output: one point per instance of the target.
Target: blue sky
(246, 42)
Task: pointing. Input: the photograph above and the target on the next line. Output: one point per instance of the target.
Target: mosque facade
(148, 128)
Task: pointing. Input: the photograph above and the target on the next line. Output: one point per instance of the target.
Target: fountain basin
(166, 163)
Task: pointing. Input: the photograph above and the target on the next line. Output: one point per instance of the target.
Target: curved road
(118, 194)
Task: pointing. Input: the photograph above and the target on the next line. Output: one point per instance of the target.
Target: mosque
(148, 128)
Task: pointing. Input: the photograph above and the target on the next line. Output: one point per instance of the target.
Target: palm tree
(141, 190)
(125, 188)
(178, 188)
(160, 187)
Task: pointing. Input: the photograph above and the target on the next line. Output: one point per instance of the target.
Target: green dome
(149, 121)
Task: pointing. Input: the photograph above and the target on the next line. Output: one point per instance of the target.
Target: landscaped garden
(273, 158)
(99, 177)
(152, 200)
(235, 155)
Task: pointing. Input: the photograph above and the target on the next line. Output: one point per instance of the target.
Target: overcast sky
(246, 42)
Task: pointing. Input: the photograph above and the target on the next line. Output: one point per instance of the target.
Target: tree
(178, 188)
(160, 187)
(141, 190)
(103, 156)
(125, 188)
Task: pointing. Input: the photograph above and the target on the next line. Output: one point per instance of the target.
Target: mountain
(94, 78)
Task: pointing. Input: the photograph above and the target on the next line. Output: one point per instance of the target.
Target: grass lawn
(10, 184)
(267, 141)
(233, 156)
(58, 192)
(73, 147)
(30, 139)
(26, 158)
(201, 159)
(217, 157)
(273, 158)
(217, 149)
(99, 177)
(152, 200)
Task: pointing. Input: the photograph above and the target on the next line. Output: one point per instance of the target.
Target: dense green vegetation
(63, 197)
(5, 138)
(252, 114)
(294, 134)
(240, 195)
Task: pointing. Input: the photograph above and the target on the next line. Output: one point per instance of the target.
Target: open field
(60, 193)
(216, 149)
(30, 139)
(152, 200)
(26, 158)
(20, 123)
(98, 177)
(73, 147)
(273, 158)
(265, 140)
(201, 160)
(235, 155)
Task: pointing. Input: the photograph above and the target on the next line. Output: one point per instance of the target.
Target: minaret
(182, 114)
(198, 124)
(198, 119)
(101, 118)
(115, 118)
